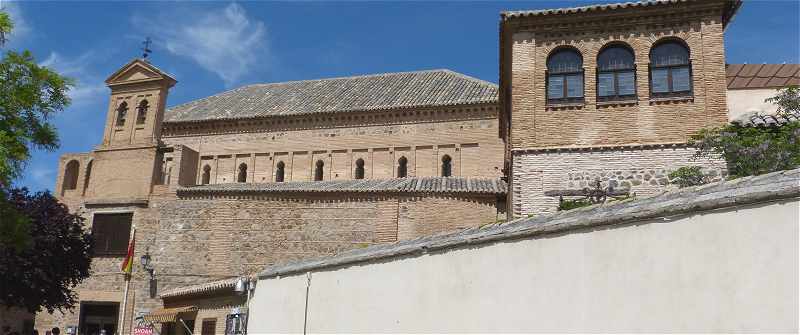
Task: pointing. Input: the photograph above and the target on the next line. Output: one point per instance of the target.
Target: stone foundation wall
(643, 171)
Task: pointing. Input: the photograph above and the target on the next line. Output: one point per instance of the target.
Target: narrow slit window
(319, 170)
(122, 114)
(206, 179)
(447, 166)
(402, 167)
(279, 172)
(359, 169)
(242, 176)
(141, 113)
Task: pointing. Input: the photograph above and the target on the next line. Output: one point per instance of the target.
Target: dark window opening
(447, 167)
(670, 70)
(71, 175)
(88, 175)
(206, 175)
(242, 176)
(111, 233)
(616, 74)
(359, 169)
(122, 113)
(279, 171)
(319, 170)
(209, 327)
(402, 167)
(565, 76)
(141, 115)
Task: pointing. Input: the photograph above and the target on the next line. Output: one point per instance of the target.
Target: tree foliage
(29, 97)
(753, 150)
(688, 176)
(44, 274)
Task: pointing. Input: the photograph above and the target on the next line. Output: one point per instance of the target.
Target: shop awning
(168, 314)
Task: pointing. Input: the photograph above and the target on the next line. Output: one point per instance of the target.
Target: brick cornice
(643, 146)
(665, 15)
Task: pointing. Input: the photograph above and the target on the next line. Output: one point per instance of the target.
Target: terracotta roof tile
(740, 76)
(396, 185)
(768, 70)
(360, 93)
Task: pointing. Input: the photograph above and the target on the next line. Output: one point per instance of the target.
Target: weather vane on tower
(146, 47)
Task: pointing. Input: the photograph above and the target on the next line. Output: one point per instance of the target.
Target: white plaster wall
(749, 101)
(642, 171)
(733, 270)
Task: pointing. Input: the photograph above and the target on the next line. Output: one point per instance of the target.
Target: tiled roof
(359, 93)
(733, 6)
(744, 76)
(397, 185)
(769, 120)
(217, 285)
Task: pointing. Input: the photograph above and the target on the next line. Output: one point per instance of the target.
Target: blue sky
(214, 46)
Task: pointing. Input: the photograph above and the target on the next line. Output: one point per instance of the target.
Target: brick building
(610, 92)
(268, 173)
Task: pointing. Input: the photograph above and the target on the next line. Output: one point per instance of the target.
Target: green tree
(59, 256)
(757, 149)
(30, 95)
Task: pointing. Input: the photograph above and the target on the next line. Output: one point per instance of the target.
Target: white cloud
(88, 88)
(226, 43)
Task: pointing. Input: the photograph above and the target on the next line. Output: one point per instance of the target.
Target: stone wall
(202, 238)
(642, 171)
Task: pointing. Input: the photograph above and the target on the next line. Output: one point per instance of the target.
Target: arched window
(70, 181)
(141, 114)
(447, 166)
(206, 175)
(359, 169)
(565, 76)
(88, 175)
(122, 113)
(319, 170)
(402, 167)
(279, 171)
(242, 176)
(616, 73)
(670, 69)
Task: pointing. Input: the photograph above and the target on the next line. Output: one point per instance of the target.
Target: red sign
(143, 331)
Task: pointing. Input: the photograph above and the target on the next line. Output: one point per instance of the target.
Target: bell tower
(125, 165)
(136, 108)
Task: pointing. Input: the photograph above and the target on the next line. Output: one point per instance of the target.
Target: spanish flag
(127, 264)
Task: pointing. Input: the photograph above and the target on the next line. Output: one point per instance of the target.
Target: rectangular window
(574, 85)
(605, 84)
(626, 81)
(555, 87)
(209, 327)
(111, 233)
(659, 80)
(680, 79)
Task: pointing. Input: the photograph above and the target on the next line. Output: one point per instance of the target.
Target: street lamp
(146, 264)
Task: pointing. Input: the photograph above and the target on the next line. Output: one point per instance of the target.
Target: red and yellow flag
(127, 264)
